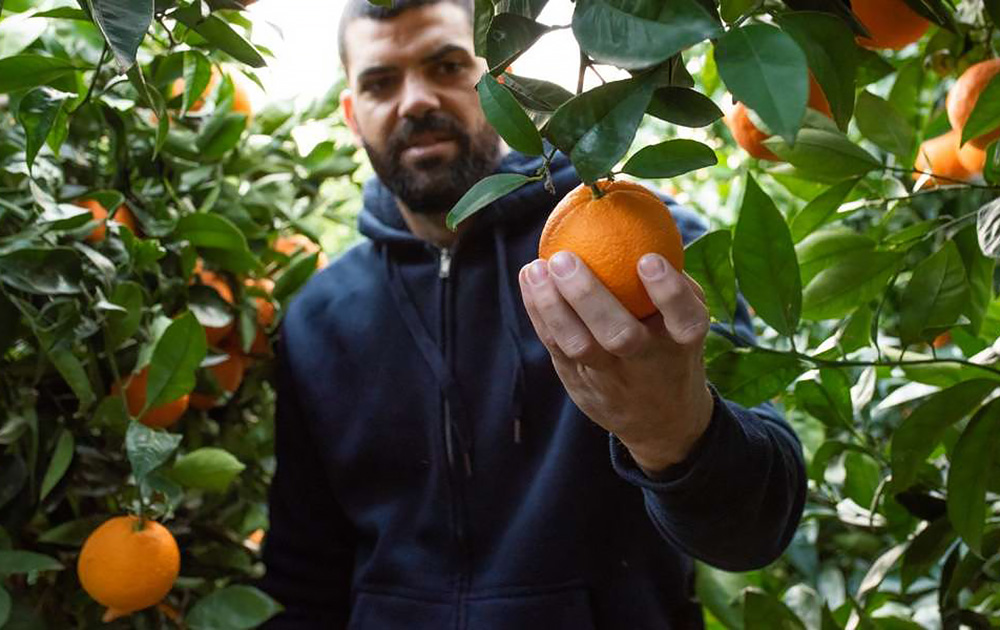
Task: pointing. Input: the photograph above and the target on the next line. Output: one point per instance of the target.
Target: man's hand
(644, 380)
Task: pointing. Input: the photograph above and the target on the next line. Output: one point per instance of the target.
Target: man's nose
(418, 98)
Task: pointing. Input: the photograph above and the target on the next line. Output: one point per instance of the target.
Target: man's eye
(375, 86)
(449, 68)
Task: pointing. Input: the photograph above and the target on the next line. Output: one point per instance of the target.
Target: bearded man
(469, 438)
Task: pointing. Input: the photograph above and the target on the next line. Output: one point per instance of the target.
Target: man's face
(413, 104)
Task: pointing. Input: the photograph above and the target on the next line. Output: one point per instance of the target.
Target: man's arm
(309, 548)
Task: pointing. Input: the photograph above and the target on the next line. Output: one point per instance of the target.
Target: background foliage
(873, 288)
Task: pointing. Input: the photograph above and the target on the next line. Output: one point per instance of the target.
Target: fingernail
(562, 265)
(652, 266)
(538, 273)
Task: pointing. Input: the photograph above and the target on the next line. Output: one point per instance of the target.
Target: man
(470, 438)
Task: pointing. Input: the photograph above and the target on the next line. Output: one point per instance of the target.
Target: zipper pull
(444, 263)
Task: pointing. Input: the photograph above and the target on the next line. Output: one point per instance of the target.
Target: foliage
(89, 109)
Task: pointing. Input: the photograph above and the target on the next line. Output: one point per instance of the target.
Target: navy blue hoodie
(433, 474)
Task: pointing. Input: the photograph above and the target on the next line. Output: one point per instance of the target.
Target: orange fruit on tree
(940, 156)
(265, 315)
(973, 158)
(241, 101)
(611, 233)
(294, 243)
(214, 334)
(127, 564)
(228, 373)
(751, 138)
(963, 95)
(159, 417)
(893, 25)
(100, 213)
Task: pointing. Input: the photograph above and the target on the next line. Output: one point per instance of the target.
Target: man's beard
(434, 185)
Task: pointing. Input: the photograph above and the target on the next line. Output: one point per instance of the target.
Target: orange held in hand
(127, 565)
(611, 233)
(963, 95)
(135, 398)
(892, 24)
(100, 213)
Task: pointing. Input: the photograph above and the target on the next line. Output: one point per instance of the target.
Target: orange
(892, 23)
(751, 138)
(941, 340)
(135, 398)
(963, 95)
(265, 315)
(241, 102)
(973, 158)
(128, 565)
(294, 243)
(940, 156)
(611, 233)
(228, 374)
(214, 334)
(100, 213)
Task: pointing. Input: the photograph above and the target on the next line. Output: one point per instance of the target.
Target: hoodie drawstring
(509, 315)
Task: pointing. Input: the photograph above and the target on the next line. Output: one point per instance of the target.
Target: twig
(880, 363)
(93, 80)
(941, 178)
(584, 63)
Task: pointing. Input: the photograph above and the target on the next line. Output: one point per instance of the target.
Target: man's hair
(355, 9)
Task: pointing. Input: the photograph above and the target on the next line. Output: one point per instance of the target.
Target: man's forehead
(408, 37)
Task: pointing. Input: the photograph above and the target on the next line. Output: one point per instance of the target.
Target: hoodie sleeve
(735, 502)
(309, 548)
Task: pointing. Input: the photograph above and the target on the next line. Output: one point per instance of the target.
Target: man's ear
(347, 106)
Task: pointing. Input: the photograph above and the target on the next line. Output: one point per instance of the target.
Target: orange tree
(864, 245)
(152, 228)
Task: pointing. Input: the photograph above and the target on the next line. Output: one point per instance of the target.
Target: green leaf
(294, 277)
(862, 476)
(504, 113)
(485, 192)
(15, 562)
(683, 106)
(762, 611)
(37, 112)
(925, 551)
(232, 608)
(197, 74)
(708, 262)
(482, 18)
(979, 272)
(596, 128)
(64, 13)
(921, 431)
(821, 210)
(72, 533)
(6, 604)
(991, 169)
(59, 464)
(905, 93)
(218, 33)
(528, 8)
(971, 462)
(992, 8)
(732, 10)
(765, 263)
(148, 449)
(751, 376)
(27, 71)
(985, 115)
(821, 249)
(124, 24)
(879, 569)
(219, 239)
(54, 271)
(215, 141)
(881, 123)
(17, 32)
(841, 287)
(934, 297)
(177, 355)
(635, 34)
(829, 47)
(122, 325)
(764, 68)
(509, 35)
(535, 94)
(824, 152)
(208, 468)
(827, 399)
(669, 159)
(721, 592)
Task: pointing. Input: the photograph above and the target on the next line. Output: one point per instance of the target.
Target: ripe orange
(100, 213)
(228, 374)
(892, 23)
(611, 233)
(973, 158)
(241, 102)
(940, 156)
(751, 138)
(127, 565)
(135, 398)
(214, 334)
(294, 243)
(963, 95)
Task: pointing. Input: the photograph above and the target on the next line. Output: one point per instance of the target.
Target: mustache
(402, 137)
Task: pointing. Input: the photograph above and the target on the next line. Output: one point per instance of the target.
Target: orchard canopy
(153, 228)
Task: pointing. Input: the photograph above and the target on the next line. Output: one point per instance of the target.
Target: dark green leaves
(634, 34)
(821, 210)
(218, 32)
(14, 562)
(683, 106)
(37, 112)
(881, 123)
(232, 608)
(124, 24)
(825, 153)
(197, 74)
(505, 114)
(295, 276)
(219, 239)
(766, 267)
(935, 296)
(669, 159)
(482, 18)
(177, 355)
(707, 261)
(764, 68)
(597, 127)
(762, 611)
(508, 37)
(54, 271)
(59, 462)
(27, 71)
(848, 282)
(208, 468)
(485, 192)
(752, 376)
(985, 116)
(968, 479)
(148, 449)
